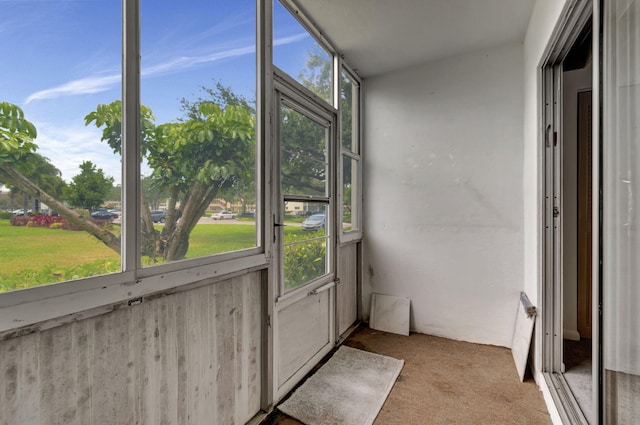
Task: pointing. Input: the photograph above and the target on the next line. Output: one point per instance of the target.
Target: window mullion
(131, 135)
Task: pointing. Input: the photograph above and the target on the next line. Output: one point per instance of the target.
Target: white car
(223, 215)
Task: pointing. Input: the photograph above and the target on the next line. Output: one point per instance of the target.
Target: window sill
(58, 304)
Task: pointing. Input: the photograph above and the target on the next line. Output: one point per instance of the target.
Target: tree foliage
(16, 134)
(90, 188)
(192, 160)
(19, 169)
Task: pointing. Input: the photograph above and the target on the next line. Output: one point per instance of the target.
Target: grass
(31, 256)
(33, 247)
(208, 239)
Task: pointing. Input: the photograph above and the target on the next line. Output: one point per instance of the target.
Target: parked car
(314, 222)
(115, 212)
(159, 216)
(223, 215)
(102, 214)
(20, 212)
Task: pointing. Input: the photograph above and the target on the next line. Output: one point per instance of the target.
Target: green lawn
(32, 247)
(31, 256)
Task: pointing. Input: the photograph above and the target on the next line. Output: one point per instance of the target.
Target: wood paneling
(303, 330)
(347, 289)
(188, 358)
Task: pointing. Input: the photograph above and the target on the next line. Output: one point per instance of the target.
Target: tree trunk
(28, 187)
(195, 204)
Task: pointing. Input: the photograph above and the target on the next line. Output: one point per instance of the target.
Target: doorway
(577, 246)
(304, 228)
(569, 364)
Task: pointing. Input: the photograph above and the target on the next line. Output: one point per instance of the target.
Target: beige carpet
(349, 389)
(448, 382)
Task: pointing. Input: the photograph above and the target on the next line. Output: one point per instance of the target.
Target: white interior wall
(443, 193)
(573, 82)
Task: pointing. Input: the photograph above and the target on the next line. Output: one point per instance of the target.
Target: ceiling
(379, 36)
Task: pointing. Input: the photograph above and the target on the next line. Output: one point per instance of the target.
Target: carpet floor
(448, 382)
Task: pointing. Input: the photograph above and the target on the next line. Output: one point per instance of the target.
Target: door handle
(322, 288)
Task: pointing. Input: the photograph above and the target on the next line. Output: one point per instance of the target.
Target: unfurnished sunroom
(199, 200)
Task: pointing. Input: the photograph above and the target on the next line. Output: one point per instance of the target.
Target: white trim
(571, 334)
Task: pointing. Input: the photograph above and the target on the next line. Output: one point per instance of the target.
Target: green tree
(90, 188)
(115, 194)
(16, 158)
(193, 160)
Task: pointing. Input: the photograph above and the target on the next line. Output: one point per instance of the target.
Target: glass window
(303, 154)
(60, 128)
(621, 217)
(199, 147)
(296, 52)
(59, 218)
(349, 108)
(305, 244)
(351, 169)
(350, 194)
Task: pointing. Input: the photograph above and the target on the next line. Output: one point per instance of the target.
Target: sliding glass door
(621, 211)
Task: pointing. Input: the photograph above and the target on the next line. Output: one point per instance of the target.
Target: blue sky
(61, 58)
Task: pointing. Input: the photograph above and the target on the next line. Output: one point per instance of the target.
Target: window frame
(44, 306)
(356, 233)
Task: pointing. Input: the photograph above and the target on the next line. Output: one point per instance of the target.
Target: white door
(304, 310)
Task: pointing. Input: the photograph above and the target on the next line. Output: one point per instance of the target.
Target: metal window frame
(293, 95)
(354, 234)
(41, 307)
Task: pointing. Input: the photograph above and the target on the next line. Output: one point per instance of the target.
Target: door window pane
(621, 215)
(305, 220)
(198, 122)
(303, 154)
(296, 52)
(62, 61)
(305, 244)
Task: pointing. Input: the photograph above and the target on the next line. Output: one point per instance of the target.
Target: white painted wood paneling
(188, 358)
(303, 330)
(347, 290)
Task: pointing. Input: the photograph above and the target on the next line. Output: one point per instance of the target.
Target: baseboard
(571, 334)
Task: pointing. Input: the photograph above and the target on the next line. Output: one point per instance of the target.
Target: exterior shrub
(5, 215)
(19, 221)
(304, 261)
(55, 226)
(42, 220)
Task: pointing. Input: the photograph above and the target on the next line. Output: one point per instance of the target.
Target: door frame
(576, 15)
(307, 103)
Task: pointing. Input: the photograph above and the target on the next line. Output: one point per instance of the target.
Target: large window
(59, 183)
(62, 117)
(351, 156)
(199, 153)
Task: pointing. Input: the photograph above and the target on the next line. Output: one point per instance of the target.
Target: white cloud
(96, 84)
(291, 39)
(68, 146)
(82, 86)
